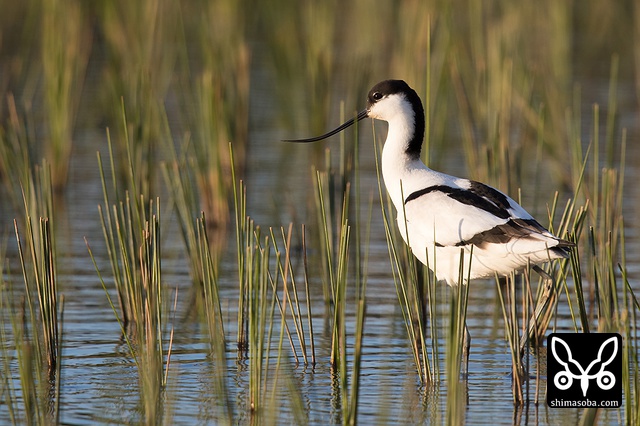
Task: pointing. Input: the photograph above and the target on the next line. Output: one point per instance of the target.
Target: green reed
(456, 342)
(308, 295)
(259, 317)
(38, 326)
(214, 86)
(180, 180)
(361, 272)
(285, 271)
(131, 229)
(603, 188)
(262, 266)
(65, 49)
(606, 271)
(339, 240)
(332, 207)
(495, 87)
(290, 297)
(262, 303)
(18, 154)
(334, 245)
(30, 183)
(139, 42)
(284, 370)
(412, 294)
(52, 43)
(338, 263)
(6, 387)
(526, 323)
(243, 238)
(630, 376)
(203, 241)
(304, 62)
(213, 313)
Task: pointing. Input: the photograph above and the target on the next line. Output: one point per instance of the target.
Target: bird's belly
(456, 264)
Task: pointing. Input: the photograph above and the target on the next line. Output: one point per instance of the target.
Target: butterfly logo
(573, 370)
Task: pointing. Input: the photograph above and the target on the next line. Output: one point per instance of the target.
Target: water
(99, 378)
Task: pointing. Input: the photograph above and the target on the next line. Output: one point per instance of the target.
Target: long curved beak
(361, 115)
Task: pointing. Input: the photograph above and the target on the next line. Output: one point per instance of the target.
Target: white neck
(397, 165)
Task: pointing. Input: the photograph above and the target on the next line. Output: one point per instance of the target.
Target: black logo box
(584, 370)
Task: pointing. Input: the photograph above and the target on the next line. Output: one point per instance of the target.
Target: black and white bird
(441, 215)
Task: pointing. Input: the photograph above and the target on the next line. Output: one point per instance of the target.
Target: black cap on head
(392, 87)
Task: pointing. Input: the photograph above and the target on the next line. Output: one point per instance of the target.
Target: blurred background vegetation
(497, 70)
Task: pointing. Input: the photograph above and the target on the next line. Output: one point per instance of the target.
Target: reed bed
(37, 321)
(503, 81)
(17, 156)
(337, 257)
(131, 229)
(214, 93)
(214, 319)
(65, 53)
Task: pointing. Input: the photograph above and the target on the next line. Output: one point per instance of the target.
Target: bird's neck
(399, 160)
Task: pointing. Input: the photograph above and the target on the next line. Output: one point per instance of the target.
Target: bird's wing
(465, 212)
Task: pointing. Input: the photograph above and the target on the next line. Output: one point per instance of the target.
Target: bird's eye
(377, 96)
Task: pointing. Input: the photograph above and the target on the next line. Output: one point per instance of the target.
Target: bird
(444, 218)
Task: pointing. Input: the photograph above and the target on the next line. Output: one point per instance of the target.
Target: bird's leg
(541, 312)
(466, 345)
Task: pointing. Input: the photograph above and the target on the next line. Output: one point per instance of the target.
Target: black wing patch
(515, 229)
(495, 202)
(479, 195)
(512, 230)
(492, 194)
